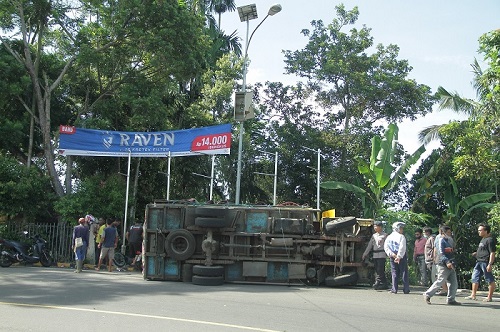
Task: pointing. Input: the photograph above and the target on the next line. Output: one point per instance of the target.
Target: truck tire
(339, 224)
(208, 271)
(347, 279)
(180, 244)
(210, 222)
(208, 281)
(210, 212)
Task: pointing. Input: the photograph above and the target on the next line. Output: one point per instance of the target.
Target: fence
(58, 237)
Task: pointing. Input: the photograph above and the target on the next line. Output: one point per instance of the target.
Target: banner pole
(126, 202)
(212, 178)
(168, 176)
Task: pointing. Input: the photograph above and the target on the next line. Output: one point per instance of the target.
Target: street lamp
(247, 13)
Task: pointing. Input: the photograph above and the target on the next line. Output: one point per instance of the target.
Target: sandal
(471, 298)
(486, 299)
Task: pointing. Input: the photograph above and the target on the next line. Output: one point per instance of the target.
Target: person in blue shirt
(445, 268)
(81, 231)
(109, 241)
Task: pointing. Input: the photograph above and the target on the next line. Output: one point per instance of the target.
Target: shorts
(110, 252)
(479, 271)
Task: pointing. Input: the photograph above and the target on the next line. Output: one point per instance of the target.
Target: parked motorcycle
(20, 252)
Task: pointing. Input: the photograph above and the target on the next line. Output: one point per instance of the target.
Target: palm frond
(454, 102)
(429, 134)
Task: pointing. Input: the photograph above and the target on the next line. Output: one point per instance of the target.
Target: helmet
(397, 225)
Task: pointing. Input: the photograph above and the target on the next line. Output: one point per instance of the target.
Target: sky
(438, 38)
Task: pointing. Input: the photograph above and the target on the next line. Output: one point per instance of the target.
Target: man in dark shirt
(81, 231)
(485, 257)
(109, 240)
(134, 238)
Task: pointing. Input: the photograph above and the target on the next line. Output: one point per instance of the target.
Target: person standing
(134, 237)
(446, 272)
(485, 258)
(80, 231)
(109, 241)
(419, 256)
(429, 254)
(98, 230)
(395, 248)
(376, 246)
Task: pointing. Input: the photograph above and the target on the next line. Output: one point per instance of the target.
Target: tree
(380, 173)
(19, 185)
(354, 87)
(474, 144)
(110, 43)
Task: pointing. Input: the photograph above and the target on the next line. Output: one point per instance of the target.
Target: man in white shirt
(395, 248)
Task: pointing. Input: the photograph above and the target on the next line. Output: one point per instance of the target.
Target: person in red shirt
(419, 256)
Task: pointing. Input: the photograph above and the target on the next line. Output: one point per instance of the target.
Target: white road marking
(241, 327)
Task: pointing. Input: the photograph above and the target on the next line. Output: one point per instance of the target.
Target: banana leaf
(405, 167)
(472, 200)
(343, 185)
(383, 167)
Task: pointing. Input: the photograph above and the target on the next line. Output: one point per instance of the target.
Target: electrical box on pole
(243, 109)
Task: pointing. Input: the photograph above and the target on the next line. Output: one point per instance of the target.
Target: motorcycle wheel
(119, 259)
(45, 259)
(5, 261)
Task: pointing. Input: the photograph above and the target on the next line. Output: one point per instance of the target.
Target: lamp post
(247, 13)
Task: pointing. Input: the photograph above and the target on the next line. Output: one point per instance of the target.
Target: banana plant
(379, 173)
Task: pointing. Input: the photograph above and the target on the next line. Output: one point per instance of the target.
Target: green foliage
(380, 173)
(99, 196)
(24, 192)
(355, 87)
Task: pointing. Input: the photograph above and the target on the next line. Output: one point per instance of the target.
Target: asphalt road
(56, 299)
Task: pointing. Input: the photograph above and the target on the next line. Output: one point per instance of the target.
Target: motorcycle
(20, 252)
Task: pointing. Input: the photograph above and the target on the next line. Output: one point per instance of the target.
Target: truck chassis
(212, 244)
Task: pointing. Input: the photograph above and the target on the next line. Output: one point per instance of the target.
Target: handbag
(78, 242)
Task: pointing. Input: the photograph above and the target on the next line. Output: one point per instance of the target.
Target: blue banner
(187, 142)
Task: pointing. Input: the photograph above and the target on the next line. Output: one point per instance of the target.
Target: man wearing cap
(395, 248)
(81, 231)
(376, 245)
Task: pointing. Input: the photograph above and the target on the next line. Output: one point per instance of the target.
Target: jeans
(80, 252)
(479, 271)
(447, 275)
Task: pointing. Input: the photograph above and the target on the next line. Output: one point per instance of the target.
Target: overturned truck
(212, 244)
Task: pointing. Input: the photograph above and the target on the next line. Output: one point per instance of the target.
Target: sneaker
(487, 299)
(454, 303)
(470, 297)
(427, 299)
